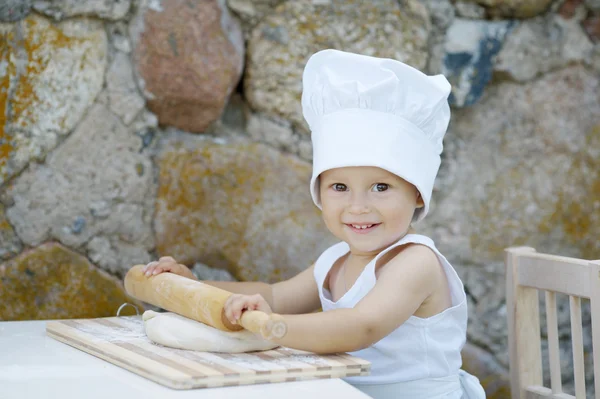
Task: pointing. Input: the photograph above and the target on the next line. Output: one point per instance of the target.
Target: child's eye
(339, 187)
(381, 187)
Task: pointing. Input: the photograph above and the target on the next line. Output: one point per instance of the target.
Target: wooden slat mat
(122, 341)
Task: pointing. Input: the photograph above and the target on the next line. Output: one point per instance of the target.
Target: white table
(33, 365)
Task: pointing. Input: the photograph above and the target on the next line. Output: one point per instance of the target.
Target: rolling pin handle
(269, 326)
(276, 327)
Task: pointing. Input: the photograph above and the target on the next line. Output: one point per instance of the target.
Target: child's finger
(248, 303)
(236, 304)
(150, 266)
(228, 308)
(229, 314)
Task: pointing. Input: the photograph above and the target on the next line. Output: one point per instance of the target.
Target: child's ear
(420, 202)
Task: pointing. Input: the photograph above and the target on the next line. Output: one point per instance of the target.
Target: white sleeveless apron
(421, 358)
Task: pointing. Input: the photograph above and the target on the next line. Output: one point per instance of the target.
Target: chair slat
(525, 353)
(595, 311)
(577, 342)
(553, 348)
(539, 392)
(554, 273)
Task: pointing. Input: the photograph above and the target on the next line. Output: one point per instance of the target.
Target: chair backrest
(527, 272)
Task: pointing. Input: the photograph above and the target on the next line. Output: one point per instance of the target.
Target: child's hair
(367, 111)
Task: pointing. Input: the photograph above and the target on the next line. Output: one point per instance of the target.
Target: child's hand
(167, 264)
(236, 304)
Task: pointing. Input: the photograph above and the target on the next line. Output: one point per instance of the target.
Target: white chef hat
(367, 111)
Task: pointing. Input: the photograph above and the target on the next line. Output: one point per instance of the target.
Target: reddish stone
(190, 56)
(592, 27)
(568, 8)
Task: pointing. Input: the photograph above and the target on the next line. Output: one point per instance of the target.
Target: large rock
(94, 193)
(542, 44)
(53, 282)
(282, 43)
(189, 56)
(520, 168)
(514, 8)
(105, 9)
(238, 206)
(49, 76)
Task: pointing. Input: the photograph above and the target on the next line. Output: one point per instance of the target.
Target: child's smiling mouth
(362, 228)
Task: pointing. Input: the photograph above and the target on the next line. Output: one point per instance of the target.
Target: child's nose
(358, 204)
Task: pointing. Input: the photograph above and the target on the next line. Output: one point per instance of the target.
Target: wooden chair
(527, 272)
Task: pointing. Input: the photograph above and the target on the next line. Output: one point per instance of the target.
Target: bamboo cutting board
(123, 342)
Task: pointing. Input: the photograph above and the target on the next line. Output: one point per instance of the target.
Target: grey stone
(100, 209)
(305, 149)
(14, 10)
(542, 44)
(470, 50)
(441, 12)
(204, 272)
(279, 133)
(234, 115)
(97, 183)
(118, 36)
(145, 120)
(276, 132)
(115, 255)
(123, 96)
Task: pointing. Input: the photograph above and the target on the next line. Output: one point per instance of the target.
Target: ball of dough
(176, 331)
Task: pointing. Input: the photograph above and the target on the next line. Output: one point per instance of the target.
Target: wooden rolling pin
(198, 301)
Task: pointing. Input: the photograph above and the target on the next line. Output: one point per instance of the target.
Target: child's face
(370, 197)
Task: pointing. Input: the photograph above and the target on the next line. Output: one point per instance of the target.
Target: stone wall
(132, 129)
